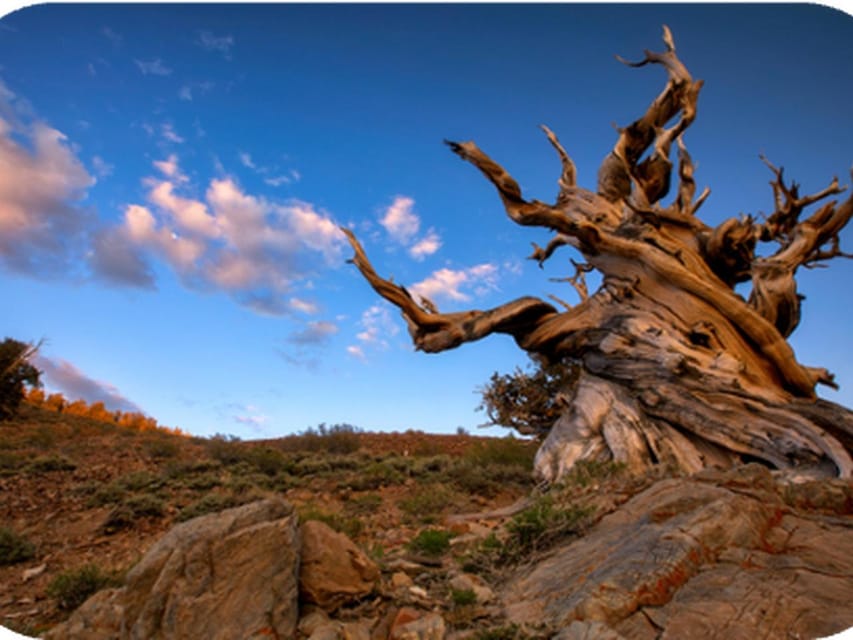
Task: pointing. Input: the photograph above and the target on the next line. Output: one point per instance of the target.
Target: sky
(172, 179)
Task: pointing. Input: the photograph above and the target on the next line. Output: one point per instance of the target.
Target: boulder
(720, 554)
(225, 575)
(333, 570)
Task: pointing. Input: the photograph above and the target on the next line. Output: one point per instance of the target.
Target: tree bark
(676, 367)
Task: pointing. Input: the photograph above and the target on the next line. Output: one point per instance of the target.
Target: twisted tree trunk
(676, 368)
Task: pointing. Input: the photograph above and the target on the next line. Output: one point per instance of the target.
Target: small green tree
(15, 372)
(529, 401)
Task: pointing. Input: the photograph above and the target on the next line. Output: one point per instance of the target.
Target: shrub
(427, 503)
(542, 524)
(211, 503)
(161, 448)
(508, 452)
(528, 402)
(46, 464)
(349, 526)
(376, 475)
(140, 480)
(431, 542)
(338, 439)
(14, 548)
(131, 510)
(463, 597)
(73, 587)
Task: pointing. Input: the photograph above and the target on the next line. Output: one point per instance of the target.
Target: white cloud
(400, 221)
(153, 67)
(449, 283)
(41, 185)
(229, 240)
(286, 178)
(377, 324)
(426, 246)
(210, 42)
(186, 91)
(112, 36)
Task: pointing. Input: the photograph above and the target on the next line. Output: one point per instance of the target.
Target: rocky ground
(345, 535)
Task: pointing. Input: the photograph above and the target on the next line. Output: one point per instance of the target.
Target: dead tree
(676, 367)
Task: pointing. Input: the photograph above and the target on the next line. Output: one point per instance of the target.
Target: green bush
(427, 503)
(463, 597)
(211, 503)
(507, 452)
(431, 542)
(543, 523)
(14, 548)
(335, 439)
(161, 447)
(376, 475)
(73, 587)
(132, 509)
(349, 526)
(46, 464)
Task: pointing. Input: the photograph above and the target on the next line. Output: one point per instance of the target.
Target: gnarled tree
(675, 366)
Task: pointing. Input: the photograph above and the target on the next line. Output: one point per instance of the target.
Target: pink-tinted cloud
(230, 240)
(42, 184)
(426, 246)
(74, 384)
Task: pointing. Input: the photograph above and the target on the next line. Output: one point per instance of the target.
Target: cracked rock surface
(736, 554)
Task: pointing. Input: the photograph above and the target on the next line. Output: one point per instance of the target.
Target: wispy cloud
(314, 333)
(285, 178)
(304, 306)
(115, 38)
(41, 185)
(228, 240)
(377, 325)
(250, 416)
(220, 44)
(449, 283)
(75, 384)
(102, 168)
(167, 131)
(154, 67)
(186, 92)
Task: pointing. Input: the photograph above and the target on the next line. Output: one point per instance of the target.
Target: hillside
(336, 534)
(83, 492)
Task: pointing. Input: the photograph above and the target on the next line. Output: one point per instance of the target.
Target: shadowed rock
(226, 575)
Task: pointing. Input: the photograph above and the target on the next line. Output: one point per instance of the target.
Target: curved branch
(568, 178)
(433, 332)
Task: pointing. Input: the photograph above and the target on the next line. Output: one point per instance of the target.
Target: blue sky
(172, 176)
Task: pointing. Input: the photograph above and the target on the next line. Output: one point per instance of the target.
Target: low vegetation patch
(14, 547)
(72, 588)
(431, 542)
